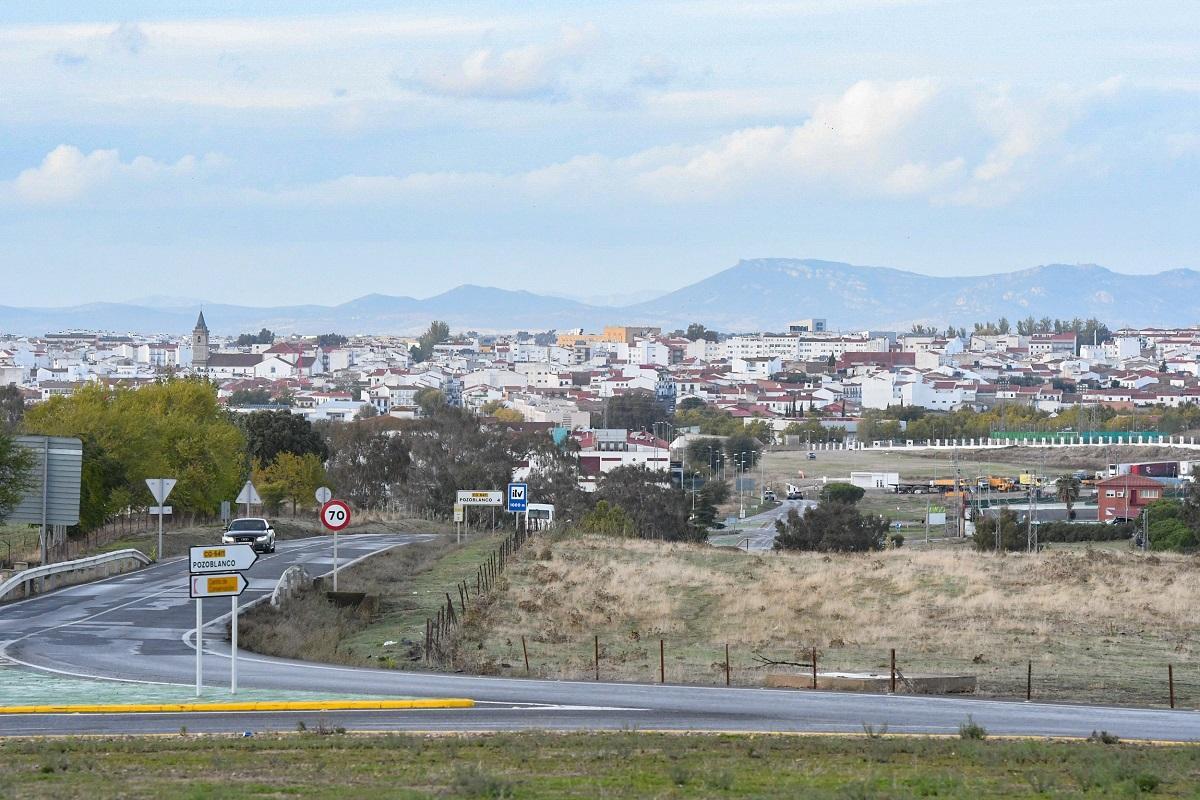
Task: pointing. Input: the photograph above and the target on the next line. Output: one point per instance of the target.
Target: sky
(315, 152)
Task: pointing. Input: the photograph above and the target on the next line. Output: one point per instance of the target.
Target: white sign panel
(459, 512)
(160, 488)
(225, 585)
(221, 558)
(324, 495)
(469, 498)
(249, 495)
(160, 509)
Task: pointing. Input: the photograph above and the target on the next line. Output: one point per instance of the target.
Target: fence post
(662, 664)
(893, 683)
(1171, 682)
(597, 658)
(1029, 681)
(727, 663)
(814, 667)
(526, 653)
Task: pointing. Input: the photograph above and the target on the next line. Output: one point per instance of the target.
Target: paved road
(760, 528)
(138, 627)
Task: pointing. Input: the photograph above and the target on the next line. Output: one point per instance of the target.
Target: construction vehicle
(996, 483)
(944, 485)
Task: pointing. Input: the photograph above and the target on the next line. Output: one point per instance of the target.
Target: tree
(249, 397)
(655, 509)
(331, 340)
(697, 331)
(1066, 488)
(173, 428)
(831, 526)
(1004, 528)
(438, 333)
(290, 477)
(16, 463)
(831, 362)
(838, 492)
(264, 336)
(509, 415)
(429, 400)
(269, 433)
(12, 407)
(369, 460)
(707, 451)
(744, 448)
(635, 411)
(606, 519)
(689, 404)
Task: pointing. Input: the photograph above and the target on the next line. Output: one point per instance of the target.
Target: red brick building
(1124, 496)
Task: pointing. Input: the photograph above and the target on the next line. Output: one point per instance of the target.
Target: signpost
(51, 499)
(161, 489)
(249, 496)
(216, 571)
(335, 515)
(460, 516)
(471, 498)
(518, 497)
(324, 495)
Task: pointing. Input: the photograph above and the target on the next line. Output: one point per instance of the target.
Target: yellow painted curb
(284, 705)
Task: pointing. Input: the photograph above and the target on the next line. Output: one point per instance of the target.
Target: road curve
(139, 627)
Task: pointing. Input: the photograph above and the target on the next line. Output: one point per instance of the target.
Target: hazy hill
(757, 294)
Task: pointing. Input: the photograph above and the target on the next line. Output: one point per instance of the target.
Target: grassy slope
(616, 765)
(1099, 625)
(411, 583)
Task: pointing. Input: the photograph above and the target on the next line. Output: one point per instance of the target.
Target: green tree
(1004, 527)
(174, 428)
(833, 527)
(656, 510)
(429, 400)
(16, 462)
(742, 448)
(636, 411)
(12, 407)
(697, 331)
(369, 460)
(606, 519)
(331, 340)
(838, 492)
(437, 333)
(1066, 489)
(269, 433)
(249, 397)
(290, 477)
(264, 336)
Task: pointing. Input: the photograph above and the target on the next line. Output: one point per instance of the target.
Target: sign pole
(199, 646)
(160, 516)
(233, 651)
(335, 560)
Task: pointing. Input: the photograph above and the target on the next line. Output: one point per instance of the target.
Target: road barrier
(52, 576)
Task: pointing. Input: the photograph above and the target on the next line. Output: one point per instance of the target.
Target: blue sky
(315, 152)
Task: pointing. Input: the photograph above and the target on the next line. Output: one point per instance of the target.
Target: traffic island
(282, 705)
(874, 682)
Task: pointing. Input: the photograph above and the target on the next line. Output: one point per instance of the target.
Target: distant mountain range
(753, 295)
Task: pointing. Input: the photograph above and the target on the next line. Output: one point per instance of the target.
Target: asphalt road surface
(139, 627)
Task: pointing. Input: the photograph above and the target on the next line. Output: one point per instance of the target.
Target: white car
(254, 531)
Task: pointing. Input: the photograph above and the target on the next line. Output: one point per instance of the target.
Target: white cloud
(67, 173)
(128, 38)
(532, 71)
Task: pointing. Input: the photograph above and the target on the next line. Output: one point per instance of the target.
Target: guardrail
(104, 561)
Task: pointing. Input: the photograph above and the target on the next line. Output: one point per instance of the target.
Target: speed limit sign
(335, 515)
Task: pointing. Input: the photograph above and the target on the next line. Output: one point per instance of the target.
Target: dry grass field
(1099, 625)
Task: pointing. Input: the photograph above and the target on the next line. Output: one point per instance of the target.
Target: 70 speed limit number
(335, 515)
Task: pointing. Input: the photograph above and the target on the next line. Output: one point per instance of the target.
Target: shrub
(842, 492)
(971, 730)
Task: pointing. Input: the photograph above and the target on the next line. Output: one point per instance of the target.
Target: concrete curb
(283, 705)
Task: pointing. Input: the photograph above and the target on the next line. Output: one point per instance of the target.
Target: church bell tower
(200, 345)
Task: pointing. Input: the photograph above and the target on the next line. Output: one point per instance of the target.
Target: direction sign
(160, 488)
(221, 558)
(459, 512)
(470, 498)
(223, 585)
(518, 497)
(249, 495)
(324, 495)
(335, 515)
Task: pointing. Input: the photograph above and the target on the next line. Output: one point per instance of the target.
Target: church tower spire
(200, 344)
